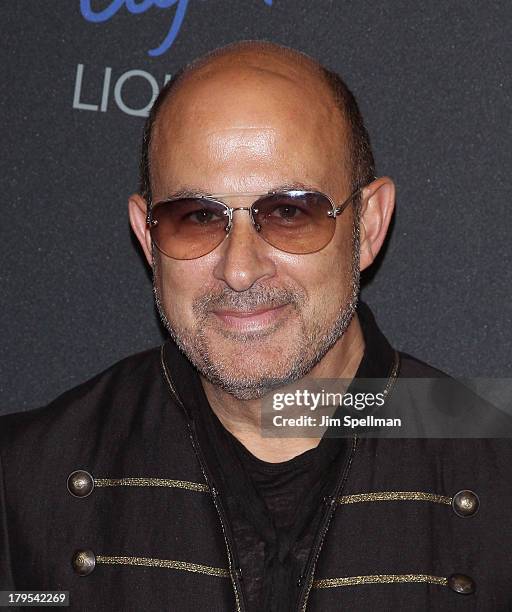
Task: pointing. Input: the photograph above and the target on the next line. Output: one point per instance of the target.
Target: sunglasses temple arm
(344, 205)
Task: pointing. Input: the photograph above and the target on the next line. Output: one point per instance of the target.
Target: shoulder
(90, 402)
(441, 406)
(412, 367)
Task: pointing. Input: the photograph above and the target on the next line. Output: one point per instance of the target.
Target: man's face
(249, 316)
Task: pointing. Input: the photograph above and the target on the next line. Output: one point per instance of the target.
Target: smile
(251, 320)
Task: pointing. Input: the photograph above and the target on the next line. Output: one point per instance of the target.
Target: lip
(250, 320)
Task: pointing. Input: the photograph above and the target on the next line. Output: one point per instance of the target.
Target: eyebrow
(194, 193)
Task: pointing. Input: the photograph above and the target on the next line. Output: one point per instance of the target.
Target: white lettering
(82, 91)
(138, 112)
(106, 87)
(78, 91)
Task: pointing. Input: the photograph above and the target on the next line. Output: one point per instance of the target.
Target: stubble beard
(312, 345)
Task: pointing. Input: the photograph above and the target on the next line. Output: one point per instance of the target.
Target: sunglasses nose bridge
(249, 209)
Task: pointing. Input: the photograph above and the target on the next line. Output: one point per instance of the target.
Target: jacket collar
(379, 357)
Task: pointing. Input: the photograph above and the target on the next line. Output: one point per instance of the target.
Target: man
(151, 487)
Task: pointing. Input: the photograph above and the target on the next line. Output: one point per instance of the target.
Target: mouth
(256, 320)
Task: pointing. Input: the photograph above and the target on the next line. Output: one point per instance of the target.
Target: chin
(242, 386)
(251, 372)
(249, 358)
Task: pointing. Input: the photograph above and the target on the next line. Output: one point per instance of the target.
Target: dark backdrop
(432, 79)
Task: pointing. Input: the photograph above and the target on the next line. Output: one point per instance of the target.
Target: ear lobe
(377, 207)
(137, 212)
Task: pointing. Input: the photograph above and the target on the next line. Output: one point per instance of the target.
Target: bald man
(153, 486)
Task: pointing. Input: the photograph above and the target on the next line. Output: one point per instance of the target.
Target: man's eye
(201, 216)
(286, 212)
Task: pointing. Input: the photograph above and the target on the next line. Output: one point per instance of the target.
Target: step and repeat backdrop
(432, 79)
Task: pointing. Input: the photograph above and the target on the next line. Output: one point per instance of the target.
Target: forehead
(258, 114)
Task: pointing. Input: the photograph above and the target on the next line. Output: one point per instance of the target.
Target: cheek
(326, 279)
(180, 283)
(327, 275)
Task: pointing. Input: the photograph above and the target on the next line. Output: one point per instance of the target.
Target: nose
(244, 257)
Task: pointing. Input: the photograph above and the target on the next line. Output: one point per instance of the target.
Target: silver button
(83, 562)
(464, 585)
(80, 483)
(465, 503)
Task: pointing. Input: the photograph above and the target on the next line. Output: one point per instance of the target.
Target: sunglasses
(294, 221)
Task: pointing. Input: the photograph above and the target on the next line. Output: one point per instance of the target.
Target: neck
(242, 417)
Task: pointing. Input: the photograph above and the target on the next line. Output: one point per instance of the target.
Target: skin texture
(251, 317)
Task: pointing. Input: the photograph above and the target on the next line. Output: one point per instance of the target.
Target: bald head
(240, 96)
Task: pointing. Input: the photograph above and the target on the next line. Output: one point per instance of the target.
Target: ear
(137, 211)
(377, 205)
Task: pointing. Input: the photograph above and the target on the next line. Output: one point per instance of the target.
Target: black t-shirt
(282, 485)
(273, 507)
(291, 492)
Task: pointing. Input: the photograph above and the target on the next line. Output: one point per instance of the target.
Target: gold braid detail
(150, 482)
(167, 563)
(395, 496)
(326, 583)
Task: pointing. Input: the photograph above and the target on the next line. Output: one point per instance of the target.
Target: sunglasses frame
(335, 211)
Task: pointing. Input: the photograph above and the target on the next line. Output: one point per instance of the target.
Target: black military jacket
(108, 493)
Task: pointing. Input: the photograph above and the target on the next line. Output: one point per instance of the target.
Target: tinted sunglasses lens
(295, 222)
(189, 227)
